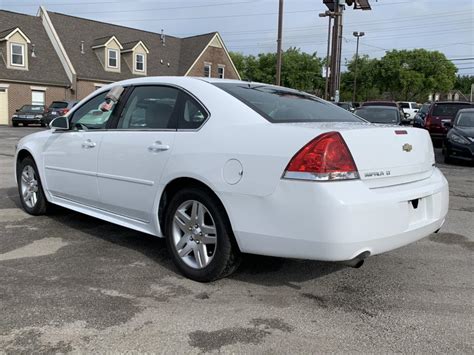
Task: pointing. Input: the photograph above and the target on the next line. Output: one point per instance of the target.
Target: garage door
(3, 106)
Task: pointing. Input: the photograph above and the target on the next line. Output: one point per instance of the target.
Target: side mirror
(447, 125)
(60, 124)
(17, 110)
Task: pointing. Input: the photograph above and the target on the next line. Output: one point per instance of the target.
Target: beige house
(54, 56)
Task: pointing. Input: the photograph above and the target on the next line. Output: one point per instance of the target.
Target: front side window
(207, 70)
(113, 58)
(139, 62)
(90, 115)
(37, 97)
(18, 54)
(220, 72)
(465, 119)
(404, 105)
(282, 105)
(149, 107)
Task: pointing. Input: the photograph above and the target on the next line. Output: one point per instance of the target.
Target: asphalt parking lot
(69, 282)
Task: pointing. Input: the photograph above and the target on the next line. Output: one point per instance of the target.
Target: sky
(250, 26)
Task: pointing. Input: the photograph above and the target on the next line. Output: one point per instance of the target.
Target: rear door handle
(158, 147)
(88, 144)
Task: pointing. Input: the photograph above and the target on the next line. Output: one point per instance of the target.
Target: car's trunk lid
(385, 155)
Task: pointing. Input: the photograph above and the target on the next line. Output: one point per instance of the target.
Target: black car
(459, 142)
(419, 120)
(29, 114)
(380, 114)
(58, 108)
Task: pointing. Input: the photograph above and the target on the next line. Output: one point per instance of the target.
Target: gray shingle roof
(46, 67)
(191, 48)
(177, 52)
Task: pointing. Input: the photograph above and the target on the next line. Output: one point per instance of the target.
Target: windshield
(32, 108)
(58, 104)
(448, 110)
(379, 115)
(465, 119)
(282, 105)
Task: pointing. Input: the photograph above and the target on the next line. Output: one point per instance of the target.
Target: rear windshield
(448, 110)
(380, 103)
(379, 115)
(281, 105)
(58, 104)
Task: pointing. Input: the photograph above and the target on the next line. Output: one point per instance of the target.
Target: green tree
(413, 74)
(463, 83)
(366, 74)
(301, 71)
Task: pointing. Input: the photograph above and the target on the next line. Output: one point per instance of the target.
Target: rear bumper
(338, 221)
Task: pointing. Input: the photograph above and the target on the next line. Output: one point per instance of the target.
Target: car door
(70, 157)
(133, 155)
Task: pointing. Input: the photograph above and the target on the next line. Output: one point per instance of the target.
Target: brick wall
(215, 56)
(85, 87)
(20, 94)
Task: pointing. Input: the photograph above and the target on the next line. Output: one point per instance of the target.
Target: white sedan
(222, 167)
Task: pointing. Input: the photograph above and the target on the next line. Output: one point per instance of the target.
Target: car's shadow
(253, 268)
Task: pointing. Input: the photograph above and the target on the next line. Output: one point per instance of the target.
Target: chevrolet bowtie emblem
(407, 147)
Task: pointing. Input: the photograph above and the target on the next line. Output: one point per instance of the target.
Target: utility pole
(330, 15)
(357, 35)
(280, 30)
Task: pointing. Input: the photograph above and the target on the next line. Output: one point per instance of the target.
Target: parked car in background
(311, 181)
(58, 108)
(441, 113)
(346, 105)
(419, 120)
(409, 107)
(29, 114)
(459, 142)
(380, 114)
(380, 103)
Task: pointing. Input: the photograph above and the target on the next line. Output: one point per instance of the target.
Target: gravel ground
(69, 282)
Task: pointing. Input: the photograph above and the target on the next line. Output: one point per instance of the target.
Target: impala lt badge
(407, 147)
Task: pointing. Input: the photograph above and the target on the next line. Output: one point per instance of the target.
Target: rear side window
(281, 105)
(58, 104)
(448, 110)
(193, 114)
(404, 104)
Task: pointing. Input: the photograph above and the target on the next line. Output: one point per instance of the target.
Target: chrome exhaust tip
(358, 261)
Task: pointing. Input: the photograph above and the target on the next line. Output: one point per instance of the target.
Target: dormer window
(113, 58)
(139, 62)
(108, 50)
(17, 51)
(14, 46)
(134, 54)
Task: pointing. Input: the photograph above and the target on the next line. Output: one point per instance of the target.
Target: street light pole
(357, 35)
(280, 29)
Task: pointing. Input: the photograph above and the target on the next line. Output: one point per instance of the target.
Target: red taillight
(428, 121)
(324, 158)
(63, 111)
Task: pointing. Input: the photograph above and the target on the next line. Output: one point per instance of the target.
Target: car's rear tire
(30, 189)
(25, 124)
(199, 236)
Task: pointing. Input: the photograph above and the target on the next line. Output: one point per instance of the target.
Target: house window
(220, 72)
(113, 58)
(139, 62)
(18, 54)
(37, 97)
(207, 70)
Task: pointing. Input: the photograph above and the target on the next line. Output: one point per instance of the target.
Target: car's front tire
(30, 189)
(199, 236)
(14, 124)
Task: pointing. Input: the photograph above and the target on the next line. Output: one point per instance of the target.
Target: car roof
(453, 102)
(375, 106)
(471, 109)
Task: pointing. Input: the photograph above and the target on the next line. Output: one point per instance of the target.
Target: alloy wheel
(29, 186)
(194, 234)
